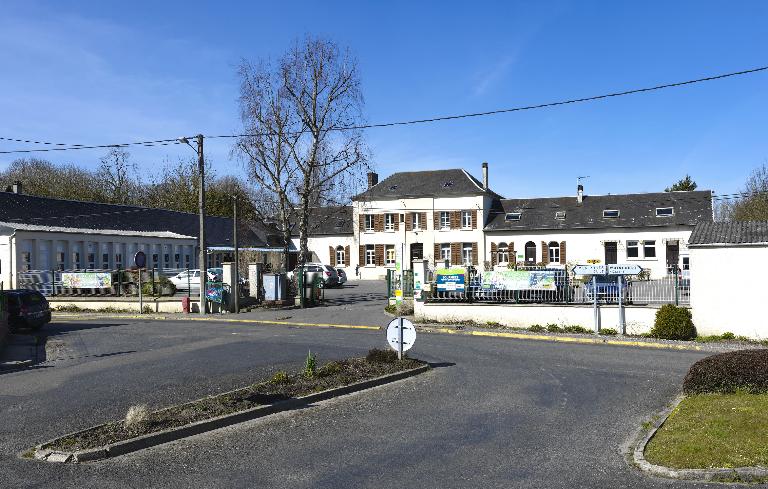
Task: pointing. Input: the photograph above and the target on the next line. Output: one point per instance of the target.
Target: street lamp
(201, 210)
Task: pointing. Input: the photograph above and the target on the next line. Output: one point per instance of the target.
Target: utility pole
(237, 254)
(201, 209)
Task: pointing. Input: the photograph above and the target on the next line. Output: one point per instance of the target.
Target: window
(177, 259)
(75, 260)
(686, 263)
(416, 220)
(633, 250)
(91, 260)
(370, 255)
(167, 259)
(118, 259)
(186, 261)
(389, 222)
(445, 252)
(105, 260)
(340, 256)
(445, 220)
(554, 252)
(155, 258)
(649, 248)
(26, 261)
(513, 216)
(665, 211)
(560, 215)
(466, 253)
(389, 255)
(610, 213)
(369, 222)
(503, 253)
(466, 219)
(60, 260)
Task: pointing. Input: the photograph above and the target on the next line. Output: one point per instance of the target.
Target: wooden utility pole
(201, 208)
(237, 255)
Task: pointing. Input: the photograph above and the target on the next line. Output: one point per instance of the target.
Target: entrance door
(417, 252)
(611, 252)
(673, 256)
(530, 253)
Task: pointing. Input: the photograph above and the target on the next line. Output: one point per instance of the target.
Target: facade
(331, 239)
(728, 261)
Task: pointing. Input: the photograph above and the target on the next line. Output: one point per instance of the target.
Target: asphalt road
(493, 413)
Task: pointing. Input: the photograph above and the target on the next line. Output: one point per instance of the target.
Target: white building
(728, 262)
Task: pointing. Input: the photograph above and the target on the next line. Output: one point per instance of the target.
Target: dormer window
(610, 213)
(448, 185)
(393, 188)
(665, 211)
(513, 216)
(560, 215)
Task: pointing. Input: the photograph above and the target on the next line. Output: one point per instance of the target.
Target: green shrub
(68, 308)
(280, 377)
(574, 328)
(728, 372)
(391, 308)
(728, 336)
(405, 308)
(608, 332)
(310, 365)
(537, 328)
(673, 323)
(554, 328)
(329, 369)
(376, 355)
(493, 324)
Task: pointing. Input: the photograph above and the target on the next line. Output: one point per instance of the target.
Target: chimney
(580, 193)
(16, 187)
(373, 179)
(485, 175)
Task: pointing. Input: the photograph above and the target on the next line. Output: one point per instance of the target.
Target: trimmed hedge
(673, 323)
(728, 372)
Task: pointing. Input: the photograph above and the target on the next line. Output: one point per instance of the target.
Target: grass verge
(713, 430)
(280, 387)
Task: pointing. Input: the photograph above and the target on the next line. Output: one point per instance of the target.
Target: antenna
(579, 179)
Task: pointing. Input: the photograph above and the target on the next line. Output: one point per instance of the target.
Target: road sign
(401, 334)
(140, 259)
(619, 269)
(589, 269)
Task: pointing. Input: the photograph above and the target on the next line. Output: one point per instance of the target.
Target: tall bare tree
(753, 205)
(117, 177)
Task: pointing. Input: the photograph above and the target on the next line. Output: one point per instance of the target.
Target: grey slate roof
(44, 211)
(329, 221)
(729, 233)
(433, 183)
(635, 210)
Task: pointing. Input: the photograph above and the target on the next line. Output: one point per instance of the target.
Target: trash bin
(185, 305)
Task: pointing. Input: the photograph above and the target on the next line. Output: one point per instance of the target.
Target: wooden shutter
(474, 219)
(455, 253)
(562, 252)
(409, 221)
(362, 222)
(475, 257)
(436, 221)
(347, 258)
(494, 253)
(437, 253)
(361, 257)
(378, 221)
(333, 255)
(512, 255)
(544, 253)
(379, 249)
(455, 219)
(396, 217)
(423, 220)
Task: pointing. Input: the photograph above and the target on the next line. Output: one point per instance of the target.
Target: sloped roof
(729, 233)
(329, 221)
(635, 210)
(432, 183)
(22, 210)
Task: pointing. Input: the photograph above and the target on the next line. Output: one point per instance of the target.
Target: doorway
(673, 256)
(530, 253)
(417, 252)
(611, 252)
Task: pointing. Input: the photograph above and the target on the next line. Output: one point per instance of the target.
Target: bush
(728, 336)
(136, 415)
(554, 328)
(728, 372)
(329, 369)
(391, 308)
(310, 365)
(405, 308)
(608, 332)
(381, 356)
(673, 323)
(537, 328)
(280, 377)
(576, 329)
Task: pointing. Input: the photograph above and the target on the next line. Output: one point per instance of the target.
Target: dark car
(607, 288)
(27, 309)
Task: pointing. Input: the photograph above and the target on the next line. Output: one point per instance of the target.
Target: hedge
(728, 372)
(673, 323)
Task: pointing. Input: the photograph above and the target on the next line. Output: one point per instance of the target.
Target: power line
(410, 122)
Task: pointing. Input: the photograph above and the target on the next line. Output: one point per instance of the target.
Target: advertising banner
(86, 280)
(519, 280)
(214, 292)
(450, 279)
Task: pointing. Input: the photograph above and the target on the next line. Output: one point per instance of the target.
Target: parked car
(328, 275)
(27, 309)
(342, 276)
(191, 278)
(607, 289)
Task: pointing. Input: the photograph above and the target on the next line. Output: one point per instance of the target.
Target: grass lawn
(713, 430)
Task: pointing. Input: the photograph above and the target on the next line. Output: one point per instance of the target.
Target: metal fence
(567, 288)
(402, 281)
(121, 282)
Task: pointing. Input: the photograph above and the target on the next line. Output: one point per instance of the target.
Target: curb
(173, 434)
(738, 474)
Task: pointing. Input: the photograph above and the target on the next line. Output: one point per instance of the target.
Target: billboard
(450, 279)
(520, 280)
(86, 280)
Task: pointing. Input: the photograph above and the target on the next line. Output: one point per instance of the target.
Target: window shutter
(378, 222)
(512, 255)
(362, 222)
(455, 253)
(455, 219)
(475, 257)
(361, 256)
(409, 221)
(396, 217)
(562, 252)
(494, 253)
(379, 248)
(423, 220)
(333, 255)
(474, 219)
(436, 221)
(544, 253)
(437, 253)
(347, 258)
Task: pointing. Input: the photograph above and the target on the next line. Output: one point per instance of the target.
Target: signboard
(393, 334)
(450, 279)
(519, 280)
(140, 259)
(593, 261)
(589, 269)
(214, 292)
(619, 269)
(86, 280)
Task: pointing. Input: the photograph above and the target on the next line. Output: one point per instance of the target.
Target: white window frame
(445, 252)
(389, 222)
(369, 223)
(646, 247)
(554, 252)
(663, 211)
(445, 220)
(611, 211)
(341, 256)
(513, 216)
(503, 253)
(26, 261)
(390, 255)
(560, 215)
(370, 255)
(466, 219)
(635, 246)
(416, 221)
(466, 253)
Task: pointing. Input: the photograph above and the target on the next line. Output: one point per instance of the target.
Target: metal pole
(400, 338)
(189, 284)
(141, 297)
(677, 290)
(622, 322)
(201, 209)
(594, 294)
(237, 256)
(154, 292)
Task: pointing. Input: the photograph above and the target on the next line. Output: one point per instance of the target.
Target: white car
(191, 279)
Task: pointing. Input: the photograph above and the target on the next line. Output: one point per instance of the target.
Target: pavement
(494, 412)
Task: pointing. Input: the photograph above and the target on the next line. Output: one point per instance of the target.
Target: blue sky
(106, 72)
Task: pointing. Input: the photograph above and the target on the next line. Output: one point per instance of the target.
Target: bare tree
(753, 205)
(117, 178)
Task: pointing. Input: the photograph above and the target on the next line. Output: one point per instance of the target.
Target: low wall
(639, 319)
(169, 305)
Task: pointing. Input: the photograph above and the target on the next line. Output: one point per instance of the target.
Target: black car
(26, 309)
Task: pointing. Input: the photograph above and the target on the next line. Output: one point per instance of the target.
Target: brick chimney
(485, 175)
(580, 193)
(373, 179)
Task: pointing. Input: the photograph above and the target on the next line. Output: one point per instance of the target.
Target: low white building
(728, 263)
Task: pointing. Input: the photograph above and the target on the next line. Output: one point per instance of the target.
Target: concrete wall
(6, 266)
(638, 319)
(127, 305)
(728, 292)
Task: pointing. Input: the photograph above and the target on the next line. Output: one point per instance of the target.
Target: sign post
(140, 259)
(401, 334)
(594, 307)
(622, 323)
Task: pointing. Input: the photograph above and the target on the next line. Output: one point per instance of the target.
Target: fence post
(119, 282)
(53, 283)
(189, 284)
(389, 283)
(154, 292)
(677, 289)
(594, 296)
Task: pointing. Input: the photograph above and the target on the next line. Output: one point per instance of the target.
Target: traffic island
(142, 428)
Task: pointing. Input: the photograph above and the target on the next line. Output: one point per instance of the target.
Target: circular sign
(140, 259)
(393, 334)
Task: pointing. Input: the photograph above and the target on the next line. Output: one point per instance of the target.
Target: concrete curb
(739, 474)
(173, 434)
